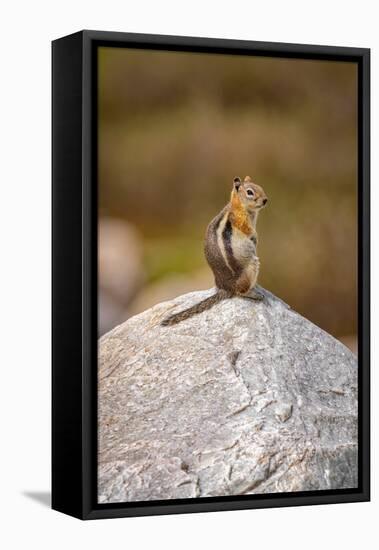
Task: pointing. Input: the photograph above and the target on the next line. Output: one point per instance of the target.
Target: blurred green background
(176, 128)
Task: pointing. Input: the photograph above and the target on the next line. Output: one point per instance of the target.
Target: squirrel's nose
(264, 201)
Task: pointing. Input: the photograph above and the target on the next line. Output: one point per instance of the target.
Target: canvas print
(227, 275)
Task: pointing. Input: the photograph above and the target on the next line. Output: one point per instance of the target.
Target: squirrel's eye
(250, 193)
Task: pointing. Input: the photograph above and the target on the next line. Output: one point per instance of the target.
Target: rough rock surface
(245, 398)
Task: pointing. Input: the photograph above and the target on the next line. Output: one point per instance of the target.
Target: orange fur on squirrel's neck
(240, 218)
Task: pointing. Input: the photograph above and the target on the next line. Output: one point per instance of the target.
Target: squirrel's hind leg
(246, 283)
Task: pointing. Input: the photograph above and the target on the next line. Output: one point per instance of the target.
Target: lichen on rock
(248, 397)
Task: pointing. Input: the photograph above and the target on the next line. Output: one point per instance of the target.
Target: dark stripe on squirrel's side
(227, 239)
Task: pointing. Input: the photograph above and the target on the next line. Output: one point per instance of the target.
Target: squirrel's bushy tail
(197, 308)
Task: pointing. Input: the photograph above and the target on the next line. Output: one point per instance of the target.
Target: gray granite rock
(245, 398)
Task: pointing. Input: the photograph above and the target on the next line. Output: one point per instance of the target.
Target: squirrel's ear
(237, 183)
(248, 178)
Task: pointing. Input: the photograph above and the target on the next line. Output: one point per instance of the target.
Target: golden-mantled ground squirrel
(230, 249)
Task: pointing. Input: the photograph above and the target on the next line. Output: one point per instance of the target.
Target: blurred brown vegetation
(175, 128)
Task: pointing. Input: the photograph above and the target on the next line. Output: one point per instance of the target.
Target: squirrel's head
(249, 194)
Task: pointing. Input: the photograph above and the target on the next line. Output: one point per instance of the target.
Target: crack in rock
(283, 411)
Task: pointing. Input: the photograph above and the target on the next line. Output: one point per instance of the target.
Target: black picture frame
(74, 272)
